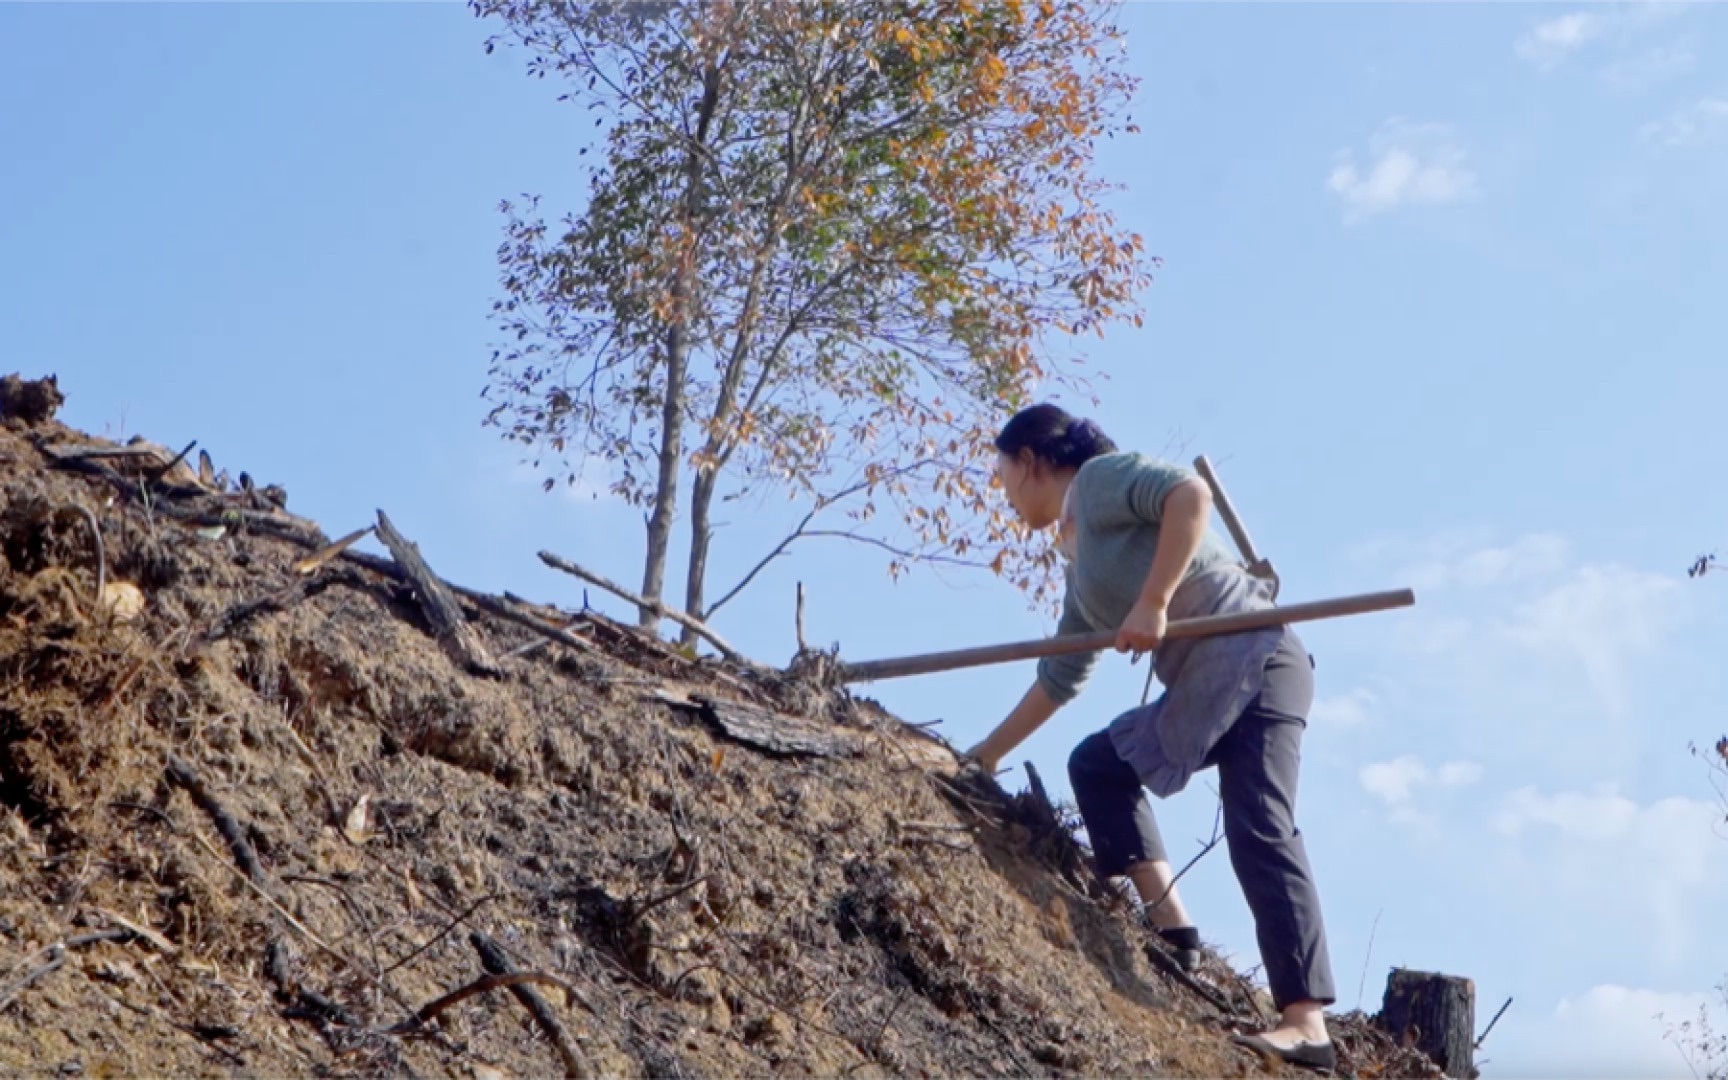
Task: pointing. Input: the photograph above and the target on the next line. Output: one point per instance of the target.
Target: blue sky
(1441, 297)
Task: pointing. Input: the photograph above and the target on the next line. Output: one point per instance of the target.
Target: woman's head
(1039, 450)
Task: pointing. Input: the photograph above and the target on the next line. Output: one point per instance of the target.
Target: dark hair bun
(1054, 436)
(1084, 439)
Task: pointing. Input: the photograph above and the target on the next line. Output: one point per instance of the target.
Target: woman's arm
(1182, 527)
(1028, 716)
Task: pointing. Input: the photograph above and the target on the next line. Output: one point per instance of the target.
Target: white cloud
(1645, 69)
(1528, 610)
(1407, 164)
(1665, 858)
(1550, 41)
(1529, 557)
(1397, 782)
(1607, 1031)
(1600, 618)
(1603, 815)
(1393, 782)
(1458, 774)
(1703, 121)
(1350, 710)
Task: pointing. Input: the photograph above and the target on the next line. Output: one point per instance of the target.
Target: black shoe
(1313, 1055)
(1184, 942)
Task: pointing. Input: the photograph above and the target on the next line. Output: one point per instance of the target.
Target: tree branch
(695, 626)
(822, 503)
(779, 550)
(910, 556)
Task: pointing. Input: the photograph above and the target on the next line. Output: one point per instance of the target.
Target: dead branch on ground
(493, 605)
(492, 958)
(449, 624)
(183, 775)
(430, 1011)
(329, 551)
(1480, 1039)
(54, 958)
(455, 921)
(688, 622)
(278, 600)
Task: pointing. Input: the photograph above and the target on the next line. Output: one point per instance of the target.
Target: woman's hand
(1028, 716)
(1143, 630)
(981, 755)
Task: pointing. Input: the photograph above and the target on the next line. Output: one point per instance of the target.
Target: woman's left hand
(1143, 629)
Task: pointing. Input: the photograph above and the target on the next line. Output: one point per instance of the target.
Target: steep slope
(260, 821)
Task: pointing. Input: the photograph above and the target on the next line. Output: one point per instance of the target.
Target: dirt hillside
(259, 816)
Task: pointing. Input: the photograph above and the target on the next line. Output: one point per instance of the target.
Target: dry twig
(496, 963)
(1480, 1039)
(324, 554)
(442, 934)
(429, 1012)
(182, 774)
(54, 957)
(101, 555)
(272, 901)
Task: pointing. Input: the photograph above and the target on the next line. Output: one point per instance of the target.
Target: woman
(1139, 553)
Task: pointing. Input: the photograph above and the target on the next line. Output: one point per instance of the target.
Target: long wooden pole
(1204, 626)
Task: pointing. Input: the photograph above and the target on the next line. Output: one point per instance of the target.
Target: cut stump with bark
(449, 625)
(1436, 1014)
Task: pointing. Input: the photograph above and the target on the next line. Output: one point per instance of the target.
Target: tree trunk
(722, 437)
(1437, 1013)
(678, 360)
(701, 501)
(671, 454)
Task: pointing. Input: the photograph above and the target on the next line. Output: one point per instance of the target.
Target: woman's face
(1024, 489)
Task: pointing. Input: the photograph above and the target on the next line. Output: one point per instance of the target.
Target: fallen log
(449, 625)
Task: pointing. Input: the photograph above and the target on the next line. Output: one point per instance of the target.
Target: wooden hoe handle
(1204, 626)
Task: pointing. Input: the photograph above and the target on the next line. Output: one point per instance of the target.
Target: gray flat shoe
(1313, 1055)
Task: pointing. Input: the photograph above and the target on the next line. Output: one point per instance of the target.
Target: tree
(826, 245)
(1699, 1039)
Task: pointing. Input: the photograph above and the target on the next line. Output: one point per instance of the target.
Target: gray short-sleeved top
(1117, 505)
(1117, 501)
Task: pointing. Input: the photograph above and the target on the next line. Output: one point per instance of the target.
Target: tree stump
(1434, 1013)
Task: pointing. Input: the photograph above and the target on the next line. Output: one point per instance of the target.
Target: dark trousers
(1257, 761)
